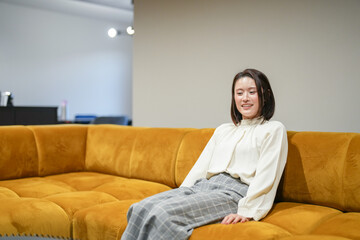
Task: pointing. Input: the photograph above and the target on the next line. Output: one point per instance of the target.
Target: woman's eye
(252, 92)
(239, 93)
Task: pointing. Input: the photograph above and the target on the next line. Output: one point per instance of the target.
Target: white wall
(186, 54)
(47, 57)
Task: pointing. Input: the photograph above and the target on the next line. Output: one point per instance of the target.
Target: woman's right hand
(234, 218)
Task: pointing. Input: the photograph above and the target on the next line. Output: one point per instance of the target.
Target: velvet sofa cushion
(142, 153)
(345, 225)
(109, 149)
(351, 176)
(82, 181)
(71, 202)
(154, 154)
(18, 153)
(30, 216)
(189, 151)
(249, 230)
(61, 148)
(105, 221)
(7, 193)
(118, 187)
(299, 218)
(65, 195)
(36, 187)
(85, 178)
(315, 237)
(322, 169)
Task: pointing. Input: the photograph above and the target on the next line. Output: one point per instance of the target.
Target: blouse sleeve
(262, 189)
(200, 168)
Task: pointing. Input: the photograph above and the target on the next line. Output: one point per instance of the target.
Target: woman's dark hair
(265, 93)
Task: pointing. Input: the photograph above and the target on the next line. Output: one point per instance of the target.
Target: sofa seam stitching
(343, 173)
(132, 152)
(86, 148)
(177, 155)
(31, 128)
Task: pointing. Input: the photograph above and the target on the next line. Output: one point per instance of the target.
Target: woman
(235, 178)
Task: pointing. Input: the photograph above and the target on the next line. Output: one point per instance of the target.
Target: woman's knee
(136, 209)
(158, 209)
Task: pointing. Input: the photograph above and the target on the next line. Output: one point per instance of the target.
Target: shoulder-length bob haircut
(265, 93)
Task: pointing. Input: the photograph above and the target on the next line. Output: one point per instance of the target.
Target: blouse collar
(251, 122)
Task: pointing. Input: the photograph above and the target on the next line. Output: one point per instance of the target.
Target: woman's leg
(138, 212)
(177, 217)
(174, 214)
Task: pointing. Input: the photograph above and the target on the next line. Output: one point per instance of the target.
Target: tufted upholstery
(77, 181)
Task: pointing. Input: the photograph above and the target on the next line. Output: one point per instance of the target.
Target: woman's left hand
(234, 218)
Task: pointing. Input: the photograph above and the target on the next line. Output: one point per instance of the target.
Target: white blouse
(255, 152)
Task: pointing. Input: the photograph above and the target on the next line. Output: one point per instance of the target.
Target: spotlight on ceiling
(130, 30)
(112, 32)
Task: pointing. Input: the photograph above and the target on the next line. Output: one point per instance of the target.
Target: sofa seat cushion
(83, 181)
(96, 188)
(344, 225)
(249, 230)
(124, 189)
(73, 201)
(7, 193)
(314, 237)
(32, 216)
(119, 187)
(299, 218)
(103, 221)
(36, 187)
(69, 194)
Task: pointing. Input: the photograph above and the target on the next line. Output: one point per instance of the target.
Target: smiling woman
(235, 178)
(246, 97)
(250, 90)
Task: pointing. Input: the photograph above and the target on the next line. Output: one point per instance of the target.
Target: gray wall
(48, 56)
(187, 52)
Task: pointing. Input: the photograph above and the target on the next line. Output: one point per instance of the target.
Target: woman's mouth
(246, 106)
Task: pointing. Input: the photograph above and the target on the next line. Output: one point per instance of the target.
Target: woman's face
(246, 97)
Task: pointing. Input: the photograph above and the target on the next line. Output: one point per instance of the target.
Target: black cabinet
(28, 115)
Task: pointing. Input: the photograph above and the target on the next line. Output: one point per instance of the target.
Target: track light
(130, 30)
(112, 32)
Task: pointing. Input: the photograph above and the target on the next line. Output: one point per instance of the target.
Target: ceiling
(121, 4)
(112, 10)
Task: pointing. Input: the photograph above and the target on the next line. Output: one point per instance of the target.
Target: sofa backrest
(323, 168)
(134, 152)
(109, 149)
(41, 150)
(18, 153)
(190, 149)
(61, 148)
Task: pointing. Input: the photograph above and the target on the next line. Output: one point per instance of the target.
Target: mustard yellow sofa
(78, 181)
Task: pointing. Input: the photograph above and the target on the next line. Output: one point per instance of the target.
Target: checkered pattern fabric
(174, 214)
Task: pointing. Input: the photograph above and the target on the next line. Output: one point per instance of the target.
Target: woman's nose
(245, 97)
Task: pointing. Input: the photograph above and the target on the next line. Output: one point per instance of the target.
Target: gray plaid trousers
(174, 214)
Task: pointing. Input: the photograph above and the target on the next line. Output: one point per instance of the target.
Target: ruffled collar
(251, 122)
